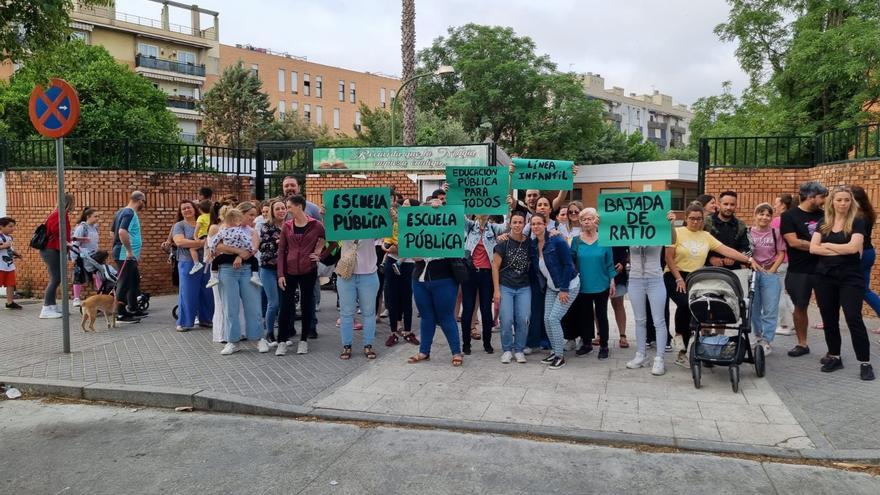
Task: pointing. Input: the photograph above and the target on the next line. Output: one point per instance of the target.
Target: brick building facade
(31, 196)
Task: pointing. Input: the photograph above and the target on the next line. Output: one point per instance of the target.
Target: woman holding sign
(357, 289)
(687, 254)
(480, 241)
(551, 258)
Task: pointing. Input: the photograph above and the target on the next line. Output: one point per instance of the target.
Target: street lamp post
(442, 70)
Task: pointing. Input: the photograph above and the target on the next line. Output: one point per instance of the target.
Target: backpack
(40, 239)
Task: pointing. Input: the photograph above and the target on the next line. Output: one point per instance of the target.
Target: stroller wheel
(734, 377)
(760, 361)
(696, 366)
(174, 311)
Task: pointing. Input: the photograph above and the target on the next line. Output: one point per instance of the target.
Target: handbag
(460, 271)
(347, 262)
(40, 239)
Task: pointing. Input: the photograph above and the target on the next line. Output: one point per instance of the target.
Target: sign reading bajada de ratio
(399, 158)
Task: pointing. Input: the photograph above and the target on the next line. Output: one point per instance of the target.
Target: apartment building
(655, 116)
(323, 95)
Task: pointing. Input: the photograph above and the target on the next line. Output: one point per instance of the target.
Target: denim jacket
(557, 257)
(489, 235)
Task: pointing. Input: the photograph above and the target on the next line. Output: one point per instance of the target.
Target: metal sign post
(54, 112)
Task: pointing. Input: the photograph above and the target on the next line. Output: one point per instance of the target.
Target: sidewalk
(796, 409)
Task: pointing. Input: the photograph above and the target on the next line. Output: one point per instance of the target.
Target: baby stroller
(716, 302)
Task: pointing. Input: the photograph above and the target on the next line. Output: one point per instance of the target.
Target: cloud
(640, 45)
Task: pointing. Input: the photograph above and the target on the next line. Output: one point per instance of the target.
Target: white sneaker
(255, 279)
(637, 362)
(506, 356)
(49, 313)
(767, 349)
(282, 349)
(678, 343)
(302, 347)
(569, 345)
(520, 358)
(289, 343)
(784, 331)
(214, 280)
(76, 303)
(659, 366)
(196, 268)
(230, 348)
(263, 346)
(527, 350)
(273, 344)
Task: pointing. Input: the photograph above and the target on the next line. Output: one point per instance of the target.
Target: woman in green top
(595, 265)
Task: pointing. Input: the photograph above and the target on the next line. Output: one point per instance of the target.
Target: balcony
(169, 65)
(182, 102)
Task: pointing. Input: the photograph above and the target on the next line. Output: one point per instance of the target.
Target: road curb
(218, 402)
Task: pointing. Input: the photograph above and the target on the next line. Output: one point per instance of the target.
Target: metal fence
(758, 152)
(852, 144)
(92, 154)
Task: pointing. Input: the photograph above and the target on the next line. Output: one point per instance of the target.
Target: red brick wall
(317, 184)
(31, 196)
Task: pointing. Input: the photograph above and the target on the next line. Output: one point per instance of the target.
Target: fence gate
(279, 159)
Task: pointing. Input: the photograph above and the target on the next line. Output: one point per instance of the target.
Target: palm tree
(408, 56)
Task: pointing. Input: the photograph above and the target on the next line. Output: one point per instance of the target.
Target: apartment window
(319, 87)
(307, 112)
(281, 78)
(185, 57)
(294, 107)
(352, 96)
(80, 35)
(336, 118)
(382, 96)
(357, 120)
(255, 70)
(148, 50)
(319, 115)
(341, 90)
(281, 109)
(307, 85)
(293, 82)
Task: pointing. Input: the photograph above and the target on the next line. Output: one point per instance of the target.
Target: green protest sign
(635, 219)
(481, 190)
(428, 232)
(357, 213)
(535, 173)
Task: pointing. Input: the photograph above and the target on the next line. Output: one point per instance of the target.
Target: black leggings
(682, 311)
(846, 289)
(591, 309)
(306, 285)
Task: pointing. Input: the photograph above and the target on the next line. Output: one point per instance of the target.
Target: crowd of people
(539, 275)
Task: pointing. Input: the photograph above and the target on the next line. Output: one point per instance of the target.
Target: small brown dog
(106, 303)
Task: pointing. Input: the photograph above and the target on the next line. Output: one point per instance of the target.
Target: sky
(640, 45)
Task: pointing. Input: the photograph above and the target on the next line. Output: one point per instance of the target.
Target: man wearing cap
(797, 226)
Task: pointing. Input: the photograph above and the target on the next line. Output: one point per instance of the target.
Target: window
(185, 57)
(382, 96)
(80, 35)
(341, 90)
(293, 82)
(146, 50)
(307, 112)
(357, 120)
(281, 109)
(577, 194)
(319, 115)
(351, 92)
(281, 78)
(393, 95)
(336, 118)
(319, 87)
(255, 70)
(307, 85)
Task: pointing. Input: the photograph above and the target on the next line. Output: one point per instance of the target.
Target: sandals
(457, 360)
(346, 353)
(624, 344)
(475, 334)
(368, 352)
(411, 338)
(392, 339)
(418, 358)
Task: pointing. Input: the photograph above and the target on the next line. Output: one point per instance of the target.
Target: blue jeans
(645, 293)
(193, 299)
(236, 290)
(436, 302)
(269, 278)
(868, 259)
(358, 290)
(765, 305)
(515, 308)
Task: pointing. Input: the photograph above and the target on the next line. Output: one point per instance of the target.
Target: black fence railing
(757, 152)
(852, 144)
(141, 60)
(95, 154)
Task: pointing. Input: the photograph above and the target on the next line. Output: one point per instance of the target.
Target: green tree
(115, 103)
(236, 112)
(27, 26)
(612, 146)
(430, 128)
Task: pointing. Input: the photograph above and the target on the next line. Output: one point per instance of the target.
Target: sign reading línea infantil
(398, 158)
(481, 190)
(429, 232)
(635, 219)
(357, 213)
(537, 173)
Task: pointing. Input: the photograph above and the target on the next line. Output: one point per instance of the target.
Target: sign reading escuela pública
(399, 158)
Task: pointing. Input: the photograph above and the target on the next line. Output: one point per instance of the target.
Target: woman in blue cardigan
(553, 266)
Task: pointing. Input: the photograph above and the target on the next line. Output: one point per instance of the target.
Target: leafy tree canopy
(27, 26)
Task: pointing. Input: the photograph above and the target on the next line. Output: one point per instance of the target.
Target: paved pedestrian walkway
(794, 407)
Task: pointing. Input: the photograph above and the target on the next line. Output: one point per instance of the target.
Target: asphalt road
(62, 448)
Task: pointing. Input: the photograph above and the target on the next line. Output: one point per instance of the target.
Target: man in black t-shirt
(797, 226)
